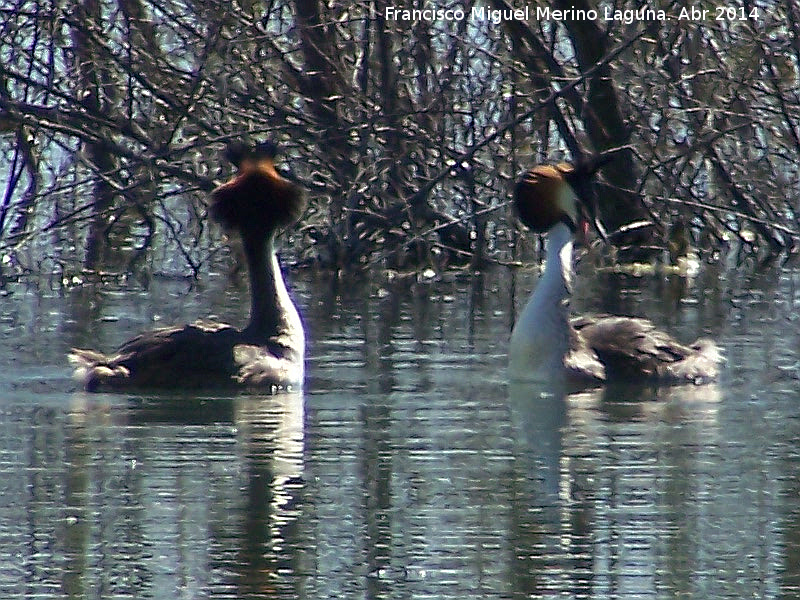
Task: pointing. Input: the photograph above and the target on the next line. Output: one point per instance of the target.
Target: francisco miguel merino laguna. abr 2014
(497, 16)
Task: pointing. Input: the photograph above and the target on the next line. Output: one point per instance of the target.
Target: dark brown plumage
(256, 203)
(631, 348)
(258, 199)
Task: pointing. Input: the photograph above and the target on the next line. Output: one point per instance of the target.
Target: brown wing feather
(192, 355)
(203, 354)
(581, 362)
(632, 348)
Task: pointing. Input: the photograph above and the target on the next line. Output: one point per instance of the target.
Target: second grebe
(547, 345)
(268, 353)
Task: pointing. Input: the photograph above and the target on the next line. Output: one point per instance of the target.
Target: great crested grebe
(268, 353)
(546, 345)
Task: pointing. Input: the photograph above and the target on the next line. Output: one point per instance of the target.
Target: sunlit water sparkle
(408, 467)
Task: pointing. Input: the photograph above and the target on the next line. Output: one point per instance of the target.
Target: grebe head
(543, 197)
(258, 199)
(549, 194)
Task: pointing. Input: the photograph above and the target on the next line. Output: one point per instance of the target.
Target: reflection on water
(126, 499)
(407, 468)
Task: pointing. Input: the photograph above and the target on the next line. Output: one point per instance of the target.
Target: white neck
(541, 336)
(272, 312)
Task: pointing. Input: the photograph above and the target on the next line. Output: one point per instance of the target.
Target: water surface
(408, 467)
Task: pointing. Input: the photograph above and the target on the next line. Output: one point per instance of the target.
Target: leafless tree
(407, 134)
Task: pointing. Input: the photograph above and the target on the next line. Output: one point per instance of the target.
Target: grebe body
(547, 344)
(269, 351)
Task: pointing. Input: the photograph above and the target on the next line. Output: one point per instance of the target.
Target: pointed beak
(581, 231)
(588, 206)
(581, 181)
(594, 216)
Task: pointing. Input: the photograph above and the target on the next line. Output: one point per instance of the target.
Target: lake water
(408, 467)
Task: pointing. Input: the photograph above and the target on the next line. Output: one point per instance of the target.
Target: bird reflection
(579, 481)
(216, 481)
(271, 437)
